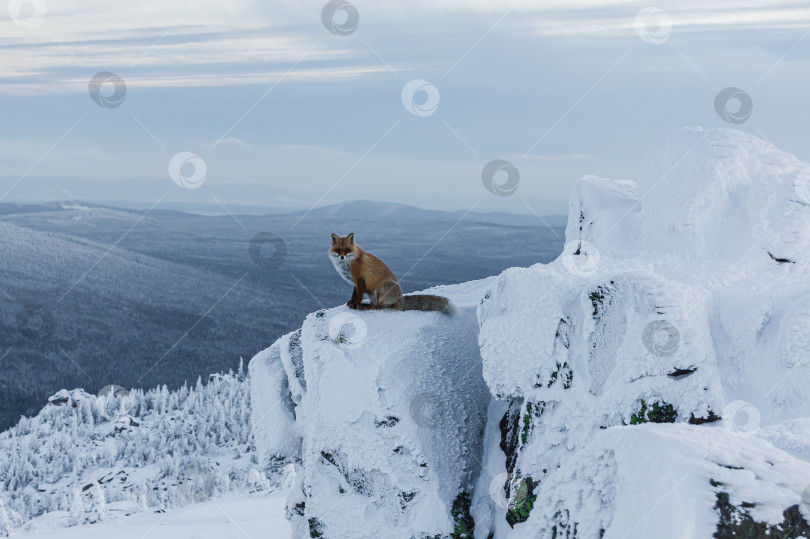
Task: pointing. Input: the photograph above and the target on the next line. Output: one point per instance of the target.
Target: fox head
(343, 248)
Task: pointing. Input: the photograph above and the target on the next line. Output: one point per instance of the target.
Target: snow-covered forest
(86, 458)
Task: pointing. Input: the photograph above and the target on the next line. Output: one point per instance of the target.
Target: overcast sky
(264, 93)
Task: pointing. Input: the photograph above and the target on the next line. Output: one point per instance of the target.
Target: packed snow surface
(232, 516)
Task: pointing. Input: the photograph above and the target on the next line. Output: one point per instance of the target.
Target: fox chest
(343, 267)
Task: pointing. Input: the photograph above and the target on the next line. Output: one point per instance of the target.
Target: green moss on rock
(658, 412)
(522, 501)
(533, 410)
(737, 523)
(563, 373)
(597, 297)
(527, 424)
(464, 525)
(510, 433)
(315, 527)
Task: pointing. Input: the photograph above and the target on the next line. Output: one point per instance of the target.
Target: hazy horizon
(215, 206)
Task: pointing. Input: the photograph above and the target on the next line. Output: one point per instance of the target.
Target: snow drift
(650, 382)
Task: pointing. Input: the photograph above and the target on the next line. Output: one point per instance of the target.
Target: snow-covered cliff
(653, 381)
(383, 418)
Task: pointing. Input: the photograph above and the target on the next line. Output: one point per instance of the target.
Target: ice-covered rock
(390, 407)
(680, 298)
(274, 429)
(665, 481)
(72, 398)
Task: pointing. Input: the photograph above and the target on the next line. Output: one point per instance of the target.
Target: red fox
(370, 276)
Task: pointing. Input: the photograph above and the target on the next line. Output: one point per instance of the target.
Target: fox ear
(334, 238)
(350, 237)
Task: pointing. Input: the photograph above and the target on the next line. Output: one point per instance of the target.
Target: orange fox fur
(370, 276)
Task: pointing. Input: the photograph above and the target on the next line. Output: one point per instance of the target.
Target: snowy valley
(652, 381)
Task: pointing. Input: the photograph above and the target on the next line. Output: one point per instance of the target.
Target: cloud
(685, 17)
(208, 59)
(209, 43)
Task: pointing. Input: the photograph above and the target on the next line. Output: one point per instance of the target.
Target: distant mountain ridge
(355, 209)
(239, 198)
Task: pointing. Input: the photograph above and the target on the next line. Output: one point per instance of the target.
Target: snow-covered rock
(663, 481)
(390, 407)
(650, 382)
(680, 298)
(274, 428)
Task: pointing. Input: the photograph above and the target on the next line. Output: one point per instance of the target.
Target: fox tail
(426, 302)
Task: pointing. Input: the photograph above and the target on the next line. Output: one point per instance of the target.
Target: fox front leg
(352, 303)
(357, 295)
